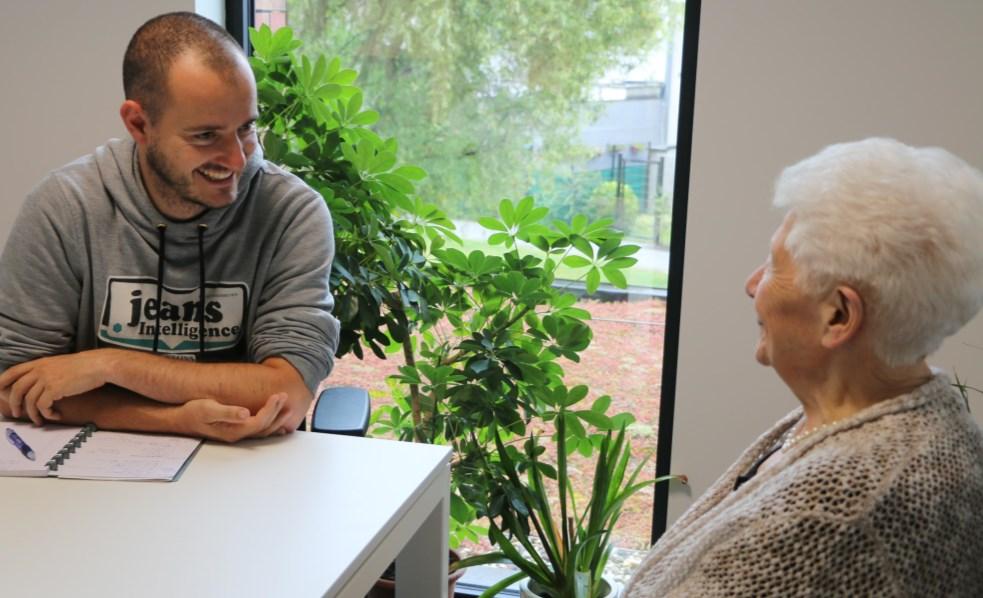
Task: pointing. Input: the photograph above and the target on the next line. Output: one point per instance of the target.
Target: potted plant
(574, 543)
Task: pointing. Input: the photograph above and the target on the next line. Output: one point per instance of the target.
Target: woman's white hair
(903, 226)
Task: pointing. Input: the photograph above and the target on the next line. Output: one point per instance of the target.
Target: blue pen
(17, 441)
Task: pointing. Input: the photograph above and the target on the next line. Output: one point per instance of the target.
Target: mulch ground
(624, 361)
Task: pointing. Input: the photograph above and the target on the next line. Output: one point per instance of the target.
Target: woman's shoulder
(920, 445)
(920, 440)
(925, 513)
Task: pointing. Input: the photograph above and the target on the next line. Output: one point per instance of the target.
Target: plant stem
(415, 408)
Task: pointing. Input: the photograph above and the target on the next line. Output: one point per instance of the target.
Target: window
(515, 98)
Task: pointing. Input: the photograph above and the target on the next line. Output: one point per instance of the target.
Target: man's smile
(215, 174)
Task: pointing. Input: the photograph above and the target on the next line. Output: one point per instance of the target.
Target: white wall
(211, 9)
(62, 75)
(776, 82)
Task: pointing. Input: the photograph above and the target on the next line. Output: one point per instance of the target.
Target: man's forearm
(116, 409)
(35, 387)
(174, 381)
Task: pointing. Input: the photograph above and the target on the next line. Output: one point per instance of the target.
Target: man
(175, 282)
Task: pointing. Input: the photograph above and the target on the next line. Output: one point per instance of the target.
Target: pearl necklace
(791, 440)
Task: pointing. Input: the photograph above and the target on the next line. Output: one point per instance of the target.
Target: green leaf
(608, 245)
(396, 182)
(454, 257)
(602, 404)
(621, 420)
(355, 103)
(282, 38)
(295, 160)
(344, 77)
(368, 117)
(476, 260)
(459, 509)
(575, 395)
(303, 70)
(349, 152)
(270, 96)
(621, 263)
(492, 224)
(598, 420)
(541, 243)
(615, 277)
(578, 223)
(487, 558)
(573, 425)
(323, 115)
(593, 280)
(536, 214)
(320, 68)
(624, 251)
(499, 238)
(585, 448)
(507, 211)
(261, 40)
(564, 300)
(523, 208)
(576, 312)
(576, 261)
(412, 173)
(582, 245)
(383, 161)
(328, 91)
(333, 67)
(274, 148)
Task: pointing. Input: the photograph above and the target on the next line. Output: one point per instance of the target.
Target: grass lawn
(638, 275)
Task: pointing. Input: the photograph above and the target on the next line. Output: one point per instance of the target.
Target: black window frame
(239, 17)
(677, 251)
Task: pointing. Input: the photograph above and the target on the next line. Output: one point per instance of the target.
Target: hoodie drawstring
(161, 229)
(201, 291)
(162, 246)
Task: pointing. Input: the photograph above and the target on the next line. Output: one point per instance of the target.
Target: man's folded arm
(37, 388)
(111, 408)
(247, 385)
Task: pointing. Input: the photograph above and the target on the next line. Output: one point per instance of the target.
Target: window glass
(574, 106)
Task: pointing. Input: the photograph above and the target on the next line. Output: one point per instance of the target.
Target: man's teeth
(215, 175)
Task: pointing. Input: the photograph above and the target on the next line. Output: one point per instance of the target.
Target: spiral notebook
(85, 453)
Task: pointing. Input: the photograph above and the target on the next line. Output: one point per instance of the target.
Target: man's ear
(135, 120)
(843, 316)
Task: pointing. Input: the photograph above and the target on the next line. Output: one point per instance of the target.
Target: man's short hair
(162, 39)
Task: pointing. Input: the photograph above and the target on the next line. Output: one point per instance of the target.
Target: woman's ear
(843, 316)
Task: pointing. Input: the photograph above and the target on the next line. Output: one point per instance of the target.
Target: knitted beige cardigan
(888, 502)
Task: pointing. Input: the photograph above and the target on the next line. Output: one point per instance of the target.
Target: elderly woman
(874, 486)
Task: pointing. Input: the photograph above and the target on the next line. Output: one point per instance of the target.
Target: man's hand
(34, 386)
(208, 418)
(4, 405)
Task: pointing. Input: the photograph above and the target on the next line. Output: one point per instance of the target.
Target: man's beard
(176, 186)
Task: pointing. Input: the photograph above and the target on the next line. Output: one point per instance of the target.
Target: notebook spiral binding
(66, 451)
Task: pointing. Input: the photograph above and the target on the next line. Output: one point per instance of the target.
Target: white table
(303, 515)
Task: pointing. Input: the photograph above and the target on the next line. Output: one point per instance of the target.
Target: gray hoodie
(81, 269)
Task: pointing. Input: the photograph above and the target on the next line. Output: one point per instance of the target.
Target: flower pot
(386, 586)
(531, 589)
